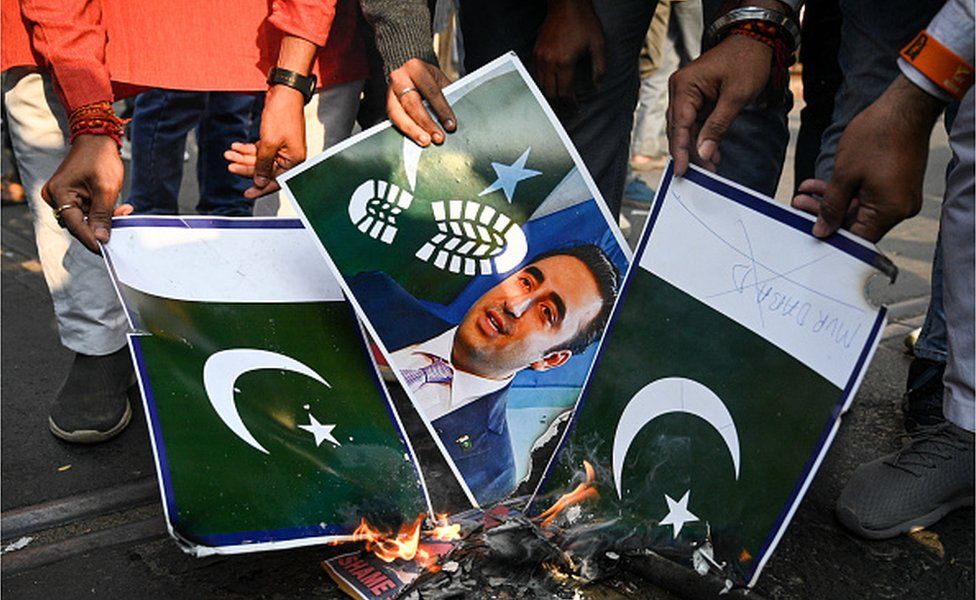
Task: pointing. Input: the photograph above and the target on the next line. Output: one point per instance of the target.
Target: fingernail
(423, 139)
(450, 124)
(706, 149)
(438, 138)
(820, 229)
(260, 181)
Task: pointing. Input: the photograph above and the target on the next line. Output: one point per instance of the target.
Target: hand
(407, 111)
(89, 178)
(570, 32)
(879, 167)
(282, 143)
(728, 77)
(241, 158)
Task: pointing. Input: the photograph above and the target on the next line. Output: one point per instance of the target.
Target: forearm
(70, 37)
(296, 54)
(402, 30)
(918, 109)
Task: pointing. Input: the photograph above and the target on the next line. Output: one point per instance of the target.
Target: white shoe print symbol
(474, 239)
(374, 206)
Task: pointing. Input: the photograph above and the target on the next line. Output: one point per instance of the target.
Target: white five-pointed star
(320, 431)
(510, 175)
(678, 513)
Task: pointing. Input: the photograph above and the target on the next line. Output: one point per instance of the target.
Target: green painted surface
(460, 169)
(222, 484)
(780, 408)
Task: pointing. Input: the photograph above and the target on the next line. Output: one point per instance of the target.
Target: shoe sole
(91, 436)
(906, 526)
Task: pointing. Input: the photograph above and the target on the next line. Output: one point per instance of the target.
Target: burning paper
(736, 345)
(462, 555)
(391, 561)
(484, 268)
(269, 424)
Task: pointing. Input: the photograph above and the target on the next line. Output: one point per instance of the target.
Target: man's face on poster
(528, 319)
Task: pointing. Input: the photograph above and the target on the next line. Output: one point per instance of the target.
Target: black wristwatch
(305, 85)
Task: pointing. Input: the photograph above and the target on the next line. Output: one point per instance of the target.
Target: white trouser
(90, 318)
(959, 298)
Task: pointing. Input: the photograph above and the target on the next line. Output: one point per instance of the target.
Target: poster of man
(484, 268)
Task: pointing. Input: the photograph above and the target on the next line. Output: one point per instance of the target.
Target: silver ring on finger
(406, 91)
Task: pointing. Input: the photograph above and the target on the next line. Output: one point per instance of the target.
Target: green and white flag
(738, 341)
(269, 424)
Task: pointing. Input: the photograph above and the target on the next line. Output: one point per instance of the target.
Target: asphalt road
(94, 520)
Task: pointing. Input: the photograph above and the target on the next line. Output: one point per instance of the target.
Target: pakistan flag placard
(485, 269)
(738, 341)
(269, 425)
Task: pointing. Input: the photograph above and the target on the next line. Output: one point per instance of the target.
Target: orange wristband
(940, 65)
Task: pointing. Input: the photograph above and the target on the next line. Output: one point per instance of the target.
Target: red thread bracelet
(97, 118)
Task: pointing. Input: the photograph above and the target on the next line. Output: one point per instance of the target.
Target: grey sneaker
(914, 487)
(93, 405)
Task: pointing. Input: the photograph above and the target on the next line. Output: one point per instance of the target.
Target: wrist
(769, 23)
(96, 120)
(284, 79)
(93, 140)
(917, 107)
(283, 94)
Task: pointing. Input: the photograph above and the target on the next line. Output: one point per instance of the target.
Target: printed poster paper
(484, 268)
(270, 427)
(738, 341)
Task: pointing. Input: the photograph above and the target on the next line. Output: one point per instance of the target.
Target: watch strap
(303, 83)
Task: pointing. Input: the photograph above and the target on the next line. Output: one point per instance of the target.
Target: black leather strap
(305, 85)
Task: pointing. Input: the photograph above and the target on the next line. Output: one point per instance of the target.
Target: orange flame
(583, 492)
(444, 531)
(388, 547)
(405, 544)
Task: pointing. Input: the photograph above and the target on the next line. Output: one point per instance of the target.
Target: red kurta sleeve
(69, 35)
(308, 19)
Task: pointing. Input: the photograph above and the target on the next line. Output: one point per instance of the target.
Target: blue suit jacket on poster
(476, 435)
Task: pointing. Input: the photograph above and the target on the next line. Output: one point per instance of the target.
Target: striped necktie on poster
(438, 371)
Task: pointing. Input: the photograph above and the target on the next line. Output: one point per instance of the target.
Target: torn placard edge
(842, 240)
(238, 543)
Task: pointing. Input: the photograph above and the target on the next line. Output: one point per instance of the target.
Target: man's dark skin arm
(282, 144)
(571, 32)
(90, 177)
(727, 77)
(880, 166)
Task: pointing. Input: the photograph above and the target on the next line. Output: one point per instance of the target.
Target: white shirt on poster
(438, 399)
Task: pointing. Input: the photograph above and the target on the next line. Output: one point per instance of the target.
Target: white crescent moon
(671, 395)
(221, 372)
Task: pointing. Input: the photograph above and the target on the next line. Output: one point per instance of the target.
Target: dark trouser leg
(821, 80)
(160, 124)
(229, 117)
(600, 128)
